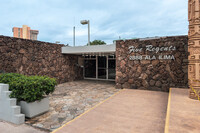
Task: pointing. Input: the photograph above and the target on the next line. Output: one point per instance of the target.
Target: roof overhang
(96, 49)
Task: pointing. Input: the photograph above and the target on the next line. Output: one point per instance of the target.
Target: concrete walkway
(130, 111)
(184, 116)
(70, 100)
(12, 128)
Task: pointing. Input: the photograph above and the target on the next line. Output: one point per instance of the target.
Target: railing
(196, 93)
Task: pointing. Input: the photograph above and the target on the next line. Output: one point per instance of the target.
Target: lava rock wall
(152, 64)
(32, 57)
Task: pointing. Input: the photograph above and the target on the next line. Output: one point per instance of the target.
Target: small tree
(97, 42)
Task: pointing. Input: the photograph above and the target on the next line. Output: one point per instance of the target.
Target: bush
(28, 88)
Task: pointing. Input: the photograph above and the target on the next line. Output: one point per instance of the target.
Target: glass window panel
(111, 56)
(90, 68)
(93, 57)
(102, 62)
(102, 73)
(111, 69)
(111, 74)
(111, 63)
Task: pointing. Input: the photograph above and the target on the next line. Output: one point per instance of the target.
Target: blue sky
(109, 19)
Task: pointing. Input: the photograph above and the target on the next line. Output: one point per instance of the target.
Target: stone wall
(153, 64)
(37, 58)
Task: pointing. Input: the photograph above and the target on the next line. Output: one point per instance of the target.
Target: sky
(109, 19)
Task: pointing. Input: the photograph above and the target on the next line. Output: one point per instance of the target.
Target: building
(25, 32)
(98, 61)
(149, 63)
(157, 63)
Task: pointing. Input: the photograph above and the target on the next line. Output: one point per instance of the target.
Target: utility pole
(74, 36)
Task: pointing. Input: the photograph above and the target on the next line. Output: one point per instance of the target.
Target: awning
(93, 50)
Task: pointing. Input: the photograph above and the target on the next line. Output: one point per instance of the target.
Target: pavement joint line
(88, 111)
(168, 113)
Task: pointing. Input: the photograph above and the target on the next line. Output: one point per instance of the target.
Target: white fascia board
(89, 49)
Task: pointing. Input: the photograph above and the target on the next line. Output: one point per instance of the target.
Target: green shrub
(28, 88)
(9, 77)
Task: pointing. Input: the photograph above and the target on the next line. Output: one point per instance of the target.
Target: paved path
(12, 128)
(71, 99)
(130, 111)
(184, 112)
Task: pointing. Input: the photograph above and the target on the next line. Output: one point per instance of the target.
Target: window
(19, 32)
(102, 67)
(90, 68)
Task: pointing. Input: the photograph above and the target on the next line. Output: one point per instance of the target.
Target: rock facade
(153, 64)
(194, 48)
(31, 57)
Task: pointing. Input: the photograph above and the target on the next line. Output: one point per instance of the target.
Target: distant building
(25, 32)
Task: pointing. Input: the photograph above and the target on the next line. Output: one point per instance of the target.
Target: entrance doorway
(99, 67)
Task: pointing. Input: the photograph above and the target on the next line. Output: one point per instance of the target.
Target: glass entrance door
(100, 67)
(111, 69)
(90, 68)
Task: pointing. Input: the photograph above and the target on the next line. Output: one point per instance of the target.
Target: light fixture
(83, 22)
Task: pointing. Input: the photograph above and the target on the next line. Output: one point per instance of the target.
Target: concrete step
(8, 109)
(8, 102)
(12, 101)
(18, 119)
(16, 110)
(4, 87)
(6, 94)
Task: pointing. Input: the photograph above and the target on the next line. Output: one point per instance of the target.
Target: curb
(87, 111)
(168, 113)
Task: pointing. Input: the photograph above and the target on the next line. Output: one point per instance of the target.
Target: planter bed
(34, 108)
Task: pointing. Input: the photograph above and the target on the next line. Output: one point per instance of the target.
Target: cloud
(109, 18)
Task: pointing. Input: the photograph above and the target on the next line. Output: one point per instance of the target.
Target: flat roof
(94, 49)
(149, 38)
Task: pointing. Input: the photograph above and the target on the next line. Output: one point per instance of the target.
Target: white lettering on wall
(136, 57)
(148, 57)
(166, 57)
(134, 49)
(159, 49)
(151, 48)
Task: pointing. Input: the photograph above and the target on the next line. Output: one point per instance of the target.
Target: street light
(83, 22)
